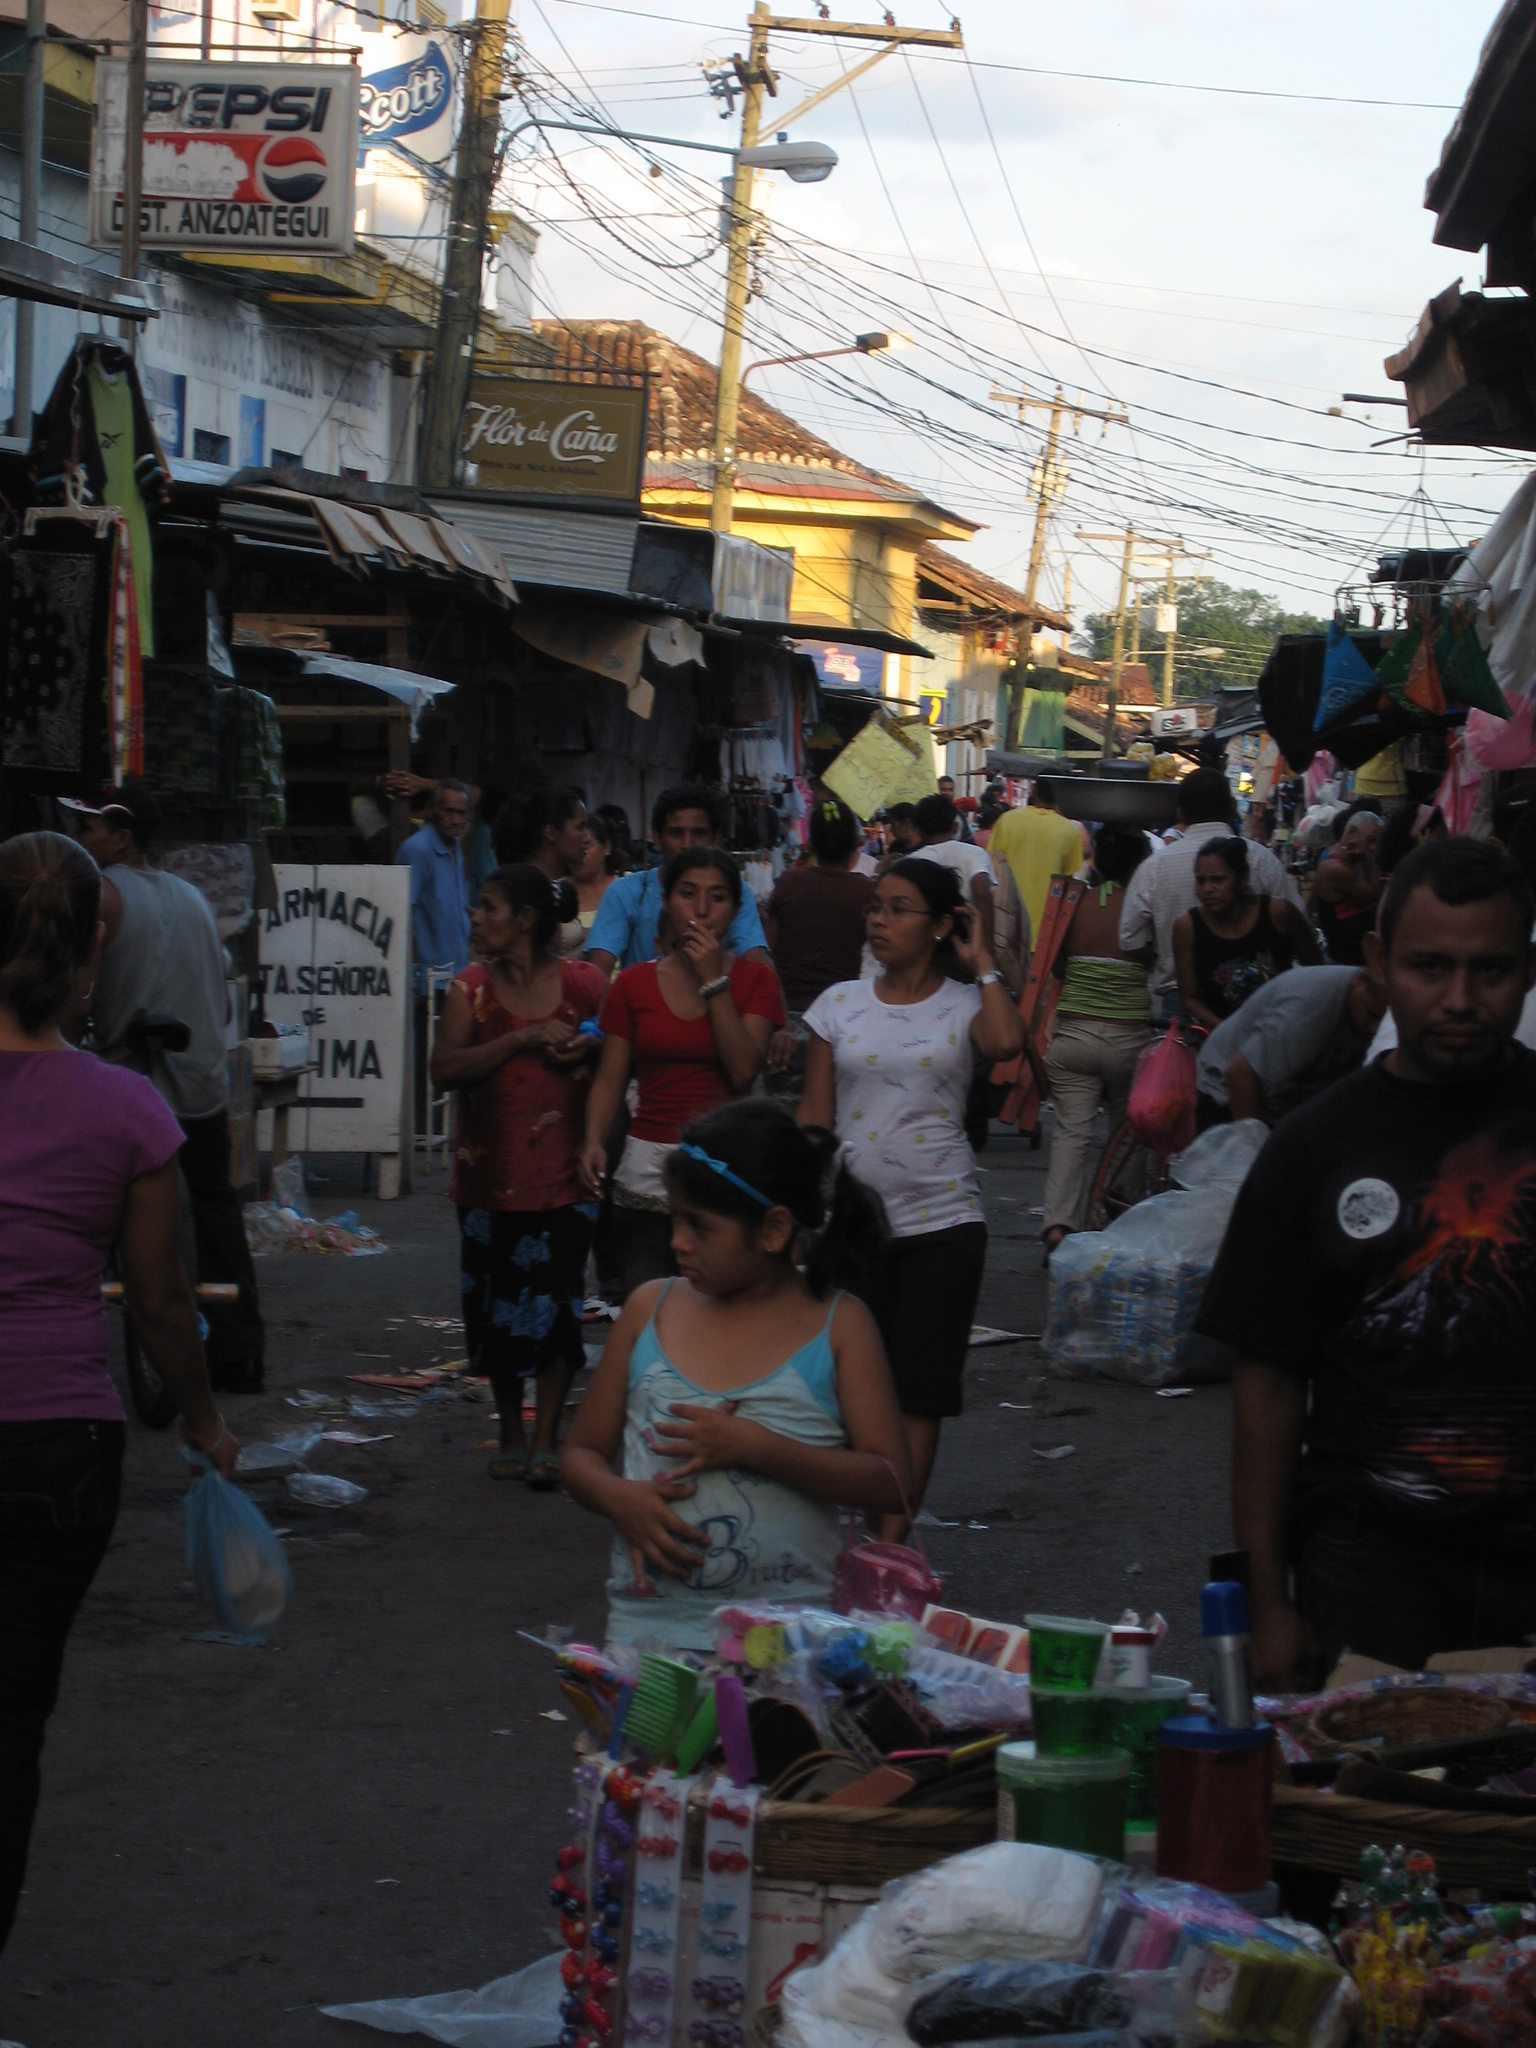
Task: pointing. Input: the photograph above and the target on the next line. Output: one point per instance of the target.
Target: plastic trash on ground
(325, 1490)
(520, 2011)
(236, 1562)
(1123, 1301)
(272, 1227)
(279, 1454)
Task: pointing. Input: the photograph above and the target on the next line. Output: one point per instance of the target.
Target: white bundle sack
(1011, 1901)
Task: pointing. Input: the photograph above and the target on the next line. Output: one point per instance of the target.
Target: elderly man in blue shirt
(441, 892)
(624, 931)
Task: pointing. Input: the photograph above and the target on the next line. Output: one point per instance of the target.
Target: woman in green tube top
(1103, 1023)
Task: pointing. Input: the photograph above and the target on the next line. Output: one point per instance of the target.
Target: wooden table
(279, 1093)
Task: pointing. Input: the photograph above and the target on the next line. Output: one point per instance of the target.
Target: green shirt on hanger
(112, 403)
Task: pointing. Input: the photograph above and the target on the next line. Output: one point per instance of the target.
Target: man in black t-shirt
(1381, 1258)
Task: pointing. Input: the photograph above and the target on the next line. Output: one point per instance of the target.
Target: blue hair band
(744, 1186)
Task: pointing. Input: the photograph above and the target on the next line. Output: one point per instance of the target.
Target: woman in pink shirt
(87, 1158)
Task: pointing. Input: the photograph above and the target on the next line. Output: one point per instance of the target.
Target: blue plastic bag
(236, 1562)
(1347, 677)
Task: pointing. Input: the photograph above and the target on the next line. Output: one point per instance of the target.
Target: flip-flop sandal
(508, 1465)
(543, 1472)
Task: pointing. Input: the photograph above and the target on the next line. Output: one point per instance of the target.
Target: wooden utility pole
(133, 154)
(28, 222)
(756, 77)
(1117, 658)
(1047, 486)
(448, 374)
(1169, 627)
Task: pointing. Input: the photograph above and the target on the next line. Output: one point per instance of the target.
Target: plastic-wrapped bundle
(987, 2001)
(1123, 1301)
(1017, 1899)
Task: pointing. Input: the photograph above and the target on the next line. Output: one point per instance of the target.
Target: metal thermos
(1224, 1624)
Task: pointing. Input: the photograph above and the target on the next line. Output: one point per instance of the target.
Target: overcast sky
(1229, 264)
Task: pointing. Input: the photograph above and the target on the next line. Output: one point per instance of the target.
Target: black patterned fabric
(53, 716)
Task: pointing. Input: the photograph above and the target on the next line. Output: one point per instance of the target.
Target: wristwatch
(986, 980)
(715, 988)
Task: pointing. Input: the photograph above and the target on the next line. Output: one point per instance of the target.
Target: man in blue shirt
(624, 930)
(440, 885)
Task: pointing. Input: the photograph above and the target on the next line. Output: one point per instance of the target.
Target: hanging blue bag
(236, 1562)
(1347, 677)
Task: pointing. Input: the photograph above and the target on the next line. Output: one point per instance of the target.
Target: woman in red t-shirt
(692, 1028)
(510, 1043)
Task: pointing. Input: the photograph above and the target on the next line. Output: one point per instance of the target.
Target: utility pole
(31, 197)
(754, 76)
(447, 379)
(133, 155)
(1169, 624)
(1047, 486)
(1116, 661)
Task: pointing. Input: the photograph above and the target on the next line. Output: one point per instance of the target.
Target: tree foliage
(1244, 624)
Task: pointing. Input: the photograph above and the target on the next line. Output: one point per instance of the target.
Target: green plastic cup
(1130, 1720)
(1068, 1723)
(1064, 1654)
(1068, 1802)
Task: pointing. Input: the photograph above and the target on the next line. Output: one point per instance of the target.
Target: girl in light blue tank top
(745, 1401)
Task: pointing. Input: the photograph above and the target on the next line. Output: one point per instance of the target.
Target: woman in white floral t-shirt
(888, 1067)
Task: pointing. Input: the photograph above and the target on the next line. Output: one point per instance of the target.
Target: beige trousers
(1091, 1061)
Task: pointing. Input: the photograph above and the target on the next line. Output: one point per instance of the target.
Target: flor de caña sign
(536, 435)
(247, 158)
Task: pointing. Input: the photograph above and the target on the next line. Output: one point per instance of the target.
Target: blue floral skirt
(522, 1275)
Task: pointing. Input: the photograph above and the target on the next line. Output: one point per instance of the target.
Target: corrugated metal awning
(560, 550)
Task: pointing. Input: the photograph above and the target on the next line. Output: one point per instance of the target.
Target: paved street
(369, 1807)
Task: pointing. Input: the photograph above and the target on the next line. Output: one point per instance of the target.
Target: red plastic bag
(1162, 1105)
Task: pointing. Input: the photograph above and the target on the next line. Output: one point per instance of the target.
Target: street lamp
(862, 345)
(804, 163)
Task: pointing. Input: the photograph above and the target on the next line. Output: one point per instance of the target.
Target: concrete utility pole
(1047, 486)
(133, 155)
(1117, 658)
(31, 200)
(1168, 624)
(448, 375)
(754, 77)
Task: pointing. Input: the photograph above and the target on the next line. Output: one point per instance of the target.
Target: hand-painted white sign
(335, 957)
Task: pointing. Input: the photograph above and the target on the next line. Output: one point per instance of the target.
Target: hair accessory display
(720, 1994)
(727, 1946)
(661, 1896)
(647, 1986)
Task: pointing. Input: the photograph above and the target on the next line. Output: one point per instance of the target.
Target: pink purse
(885, 1578)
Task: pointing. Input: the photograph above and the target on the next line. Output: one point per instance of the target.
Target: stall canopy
(30, 273)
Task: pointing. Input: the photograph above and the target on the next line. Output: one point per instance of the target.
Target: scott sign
(236, 157)
(405, 99)
(567, 440)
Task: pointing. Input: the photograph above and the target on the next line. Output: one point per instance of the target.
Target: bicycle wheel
(153, 1401)
(1128, 1172)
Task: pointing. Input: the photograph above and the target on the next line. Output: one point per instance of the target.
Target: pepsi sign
(406, 99)
(247, 158)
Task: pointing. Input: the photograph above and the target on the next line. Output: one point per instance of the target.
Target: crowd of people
(758, 1127)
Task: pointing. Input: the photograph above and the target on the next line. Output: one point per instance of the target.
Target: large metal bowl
(1108, 800)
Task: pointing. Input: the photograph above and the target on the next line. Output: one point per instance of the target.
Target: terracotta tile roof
(983, 592)
(683, 397)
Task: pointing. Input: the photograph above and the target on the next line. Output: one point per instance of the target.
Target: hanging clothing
(96, 424)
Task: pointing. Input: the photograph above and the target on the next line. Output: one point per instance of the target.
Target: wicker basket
(1328, 1830)
(1391, 1720)
(855, 1845)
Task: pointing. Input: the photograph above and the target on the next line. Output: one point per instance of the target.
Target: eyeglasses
(876, 910)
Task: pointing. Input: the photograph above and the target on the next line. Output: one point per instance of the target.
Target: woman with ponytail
(747, 1406)
(889, 1068)
(87, 1159)
(511, 1043)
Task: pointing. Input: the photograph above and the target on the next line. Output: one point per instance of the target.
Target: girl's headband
(744, 1186)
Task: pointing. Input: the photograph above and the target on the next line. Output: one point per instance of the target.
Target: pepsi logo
(294, 169)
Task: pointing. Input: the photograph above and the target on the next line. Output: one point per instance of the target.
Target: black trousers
(1371, 1584)
(235, 1330)
(59, 1488)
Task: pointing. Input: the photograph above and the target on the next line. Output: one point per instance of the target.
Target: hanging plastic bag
(236, 1562)
(1347, 677)
(1464, 672)
(1162, 1105)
